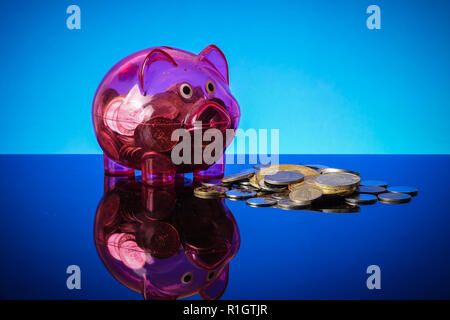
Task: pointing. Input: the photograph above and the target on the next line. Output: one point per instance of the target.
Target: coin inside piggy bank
(152, 104)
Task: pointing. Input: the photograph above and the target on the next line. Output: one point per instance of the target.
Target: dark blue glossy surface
(47, 206)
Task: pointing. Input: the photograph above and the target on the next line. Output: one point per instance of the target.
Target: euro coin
(253, 182)
(259, 166)
(394, 197)
(305, 195)
(280, 195)
(375, 183)
(361, 199)
(403, 189)
(238, 176)
(261, 202)
(287, 204)
(306, 171)
(283, 178)
(370, 189)
(309, 180)
(208, 192)
(270, 188)
(338, 180)
(235, 194)
(316, 167)
(337, 170)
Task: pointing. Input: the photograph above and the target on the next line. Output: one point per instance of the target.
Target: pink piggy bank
(149, 95)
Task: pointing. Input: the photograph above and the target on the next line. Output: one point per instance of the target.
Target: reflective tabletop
(60, 210)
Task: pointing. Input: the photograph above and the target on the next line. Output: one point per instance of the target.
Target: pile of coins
(304, 187)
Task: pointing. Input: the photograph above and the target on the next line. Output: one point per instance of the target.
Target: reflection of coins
(361, 199)
(238, 176)
(337, 170)
(209, 192)
(159, 238)
(403, 189)
(156, 134)
(305, 195)
(131, 255)
(394, 197)
(240, 194)
(370, 189)
(283, 178)
(112, 244)
(340, 207)
(261, 202)
(375, 183)
(287, 204)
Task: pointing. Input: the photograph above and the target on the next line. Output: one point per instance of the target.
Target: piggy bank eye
(210, 87)
(186, 91)
(187, 277)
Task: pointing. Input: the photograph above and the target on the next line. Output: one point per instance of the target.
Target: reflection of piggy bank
(164, 242)
(150, 94)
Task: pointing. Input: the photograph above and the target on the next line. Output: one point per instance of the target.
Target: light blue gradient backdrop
(310, 68)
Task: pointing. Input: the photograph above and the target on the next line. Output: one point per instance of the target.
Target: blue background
(47, 225)
(309, 68)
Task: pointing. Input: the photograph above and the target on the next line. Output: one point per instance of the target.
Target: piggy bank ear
(214, 56)
(156, 62)
(216, 289)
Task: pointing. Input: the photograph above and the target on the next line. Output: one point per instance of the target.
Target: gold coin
(238, 176)
(253, 182)
(309, 181)
(305, 194)
(306, 171)
(209, 191)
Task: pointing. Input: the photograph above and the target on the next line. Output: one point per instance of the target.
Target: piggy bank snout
(209, 115)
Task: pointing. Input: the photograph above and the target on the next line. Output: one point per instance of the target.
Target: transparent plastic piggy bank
(163, 242)
(159, 100)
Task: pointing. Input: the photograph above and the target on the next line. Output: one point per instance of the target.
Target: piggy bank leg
(214, 172)
(112, 168)
(157, 169)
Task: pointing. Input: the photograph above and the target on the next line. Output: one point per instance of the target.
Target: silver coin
(287, 204)
(283, 178)
(270, 188)
(261, 202)
(260, 166)
(370, 189)
(338, 179)
(394, 197)
(280, 195)
(361, 199)
(403, 189)
(241, 194)
(375, 183)
(337, 170)
(245, 182)
(316, 166)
